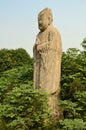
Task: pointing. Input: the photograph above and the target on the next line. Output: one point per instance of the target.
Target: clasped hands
(42, 47)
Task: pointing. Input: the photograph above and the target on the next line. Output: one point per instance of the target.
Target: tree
(73, 92)
(13, 58)
(84, 44)
(24, 108)
(21, 107)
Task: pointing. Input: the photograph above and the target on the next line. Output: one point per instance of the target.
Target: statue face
(43, 22)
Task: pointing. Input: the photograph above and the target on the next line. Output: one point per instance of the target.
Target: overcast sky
(18, 22)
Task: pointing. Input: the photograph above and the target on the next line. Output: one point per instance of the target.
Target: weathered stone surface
(47, 52)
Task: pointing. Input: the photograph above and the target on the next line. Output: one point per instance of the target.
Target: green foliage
(13, 58)
(9, 79)
(73, 73)
(84, 44)
(24, 108)
(81, 100)
(73, 91)
(21, 107)
(72, 124)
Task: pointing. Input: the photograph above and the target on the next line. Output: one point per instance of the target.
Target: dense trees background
(23, 108)
(13, 58)
(73, 91)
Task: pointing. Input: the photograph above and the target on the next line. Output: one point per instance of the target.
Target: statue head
(44, 19)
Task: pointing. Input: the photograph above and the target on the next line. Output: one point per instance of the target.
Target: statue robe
(47, 60)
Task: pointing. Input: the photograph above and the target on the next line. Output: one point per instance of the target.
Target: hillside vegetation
(23, 108)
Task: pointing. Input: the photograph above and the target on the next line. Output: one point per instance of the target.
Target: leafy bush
(73, 91)
(24, 108)
(21, 107)
(72, 124)
(13, 58)
(16, 76)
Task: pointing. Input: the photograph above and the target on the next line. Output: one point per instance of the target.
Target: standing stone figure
(47, 53)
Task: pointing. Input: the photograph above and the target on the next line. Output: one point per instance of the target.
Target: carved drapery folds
(47, 53)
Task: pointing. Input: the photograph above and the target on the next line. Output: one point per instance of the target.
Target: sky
(19, 24)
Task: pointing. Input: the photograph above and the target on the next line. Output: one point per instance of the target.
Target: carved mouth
(40, 25)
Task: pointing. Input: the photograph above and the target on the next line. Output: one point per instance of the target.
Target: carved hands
(42, 47)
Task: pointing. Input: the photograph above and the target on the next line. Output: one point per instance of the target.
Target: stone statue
(47, 53)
